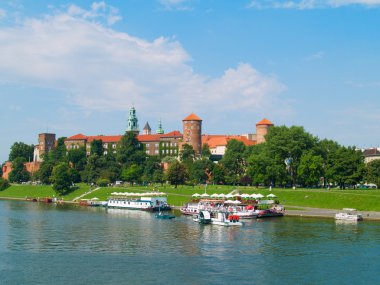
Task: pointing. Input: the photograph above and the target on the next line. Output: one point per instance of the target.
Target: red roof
(264, 122)
(222, 140)
(148, 138)
(105, 139)
(172, 134)
(192, 117)
(77, 137)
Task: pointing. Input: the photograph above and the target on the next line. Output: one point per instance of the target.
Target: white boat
(140, 203)
(223, 219)
(348, 217)
(190, 209)
(204, 217)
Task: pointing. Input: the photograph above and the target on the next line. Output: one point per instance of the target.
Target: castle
(159, 143)
(169, 144)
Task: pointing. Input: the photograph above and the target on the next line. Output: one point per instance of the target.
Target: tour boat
(190, 209)
(348, 217)
(140, 203)
(223, 219)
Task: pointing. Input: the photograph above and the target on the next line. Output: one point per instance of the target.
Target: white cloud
(309, 4)
(101, 69)
(3, 14)
(315, 56)
(176, 5)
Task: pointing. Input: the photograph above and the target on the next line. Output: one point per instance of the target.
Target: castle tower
(192, 132)
(46, 142)
(160, 130)
(147, 130)
(133, 125)
(262, 129)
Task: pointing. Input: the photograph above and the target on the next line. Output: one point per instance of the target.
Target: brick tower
(262, 129)
(46, 142)
(192, 132)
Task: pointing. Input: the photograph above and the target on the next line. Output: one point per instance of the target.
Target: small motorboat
(348, 217)
(223, 219)
(164, 216)
(204, 217)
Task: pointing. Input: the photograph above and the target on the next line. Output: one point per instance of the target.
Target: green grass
(318, 198)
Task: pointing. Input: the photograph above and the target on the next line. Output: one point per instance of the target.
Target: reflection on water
(119, 243)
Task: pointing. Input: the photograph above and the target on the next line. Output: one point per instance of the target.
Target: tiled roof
(371, 152)
(105, 139)
(264, 122)
(222, 140)
(77, 137)
(192, 117)
(172, 134)
(148, 138)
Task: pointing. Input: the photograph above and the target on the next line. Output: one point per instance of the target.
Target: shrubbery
(4, 184)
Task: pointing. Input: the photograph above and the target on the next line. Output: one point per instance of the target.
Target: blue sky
(77, 67)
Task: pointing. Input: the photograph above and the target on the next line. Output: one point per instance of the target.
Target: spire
(133, 124)
(160, 129)
(147, 130)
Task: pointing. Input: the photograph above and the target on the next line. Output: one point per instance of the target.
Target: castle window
(156, 151)
(147, 152)
(105, 145)
(105, 152)
(114, 145)
(147, 145)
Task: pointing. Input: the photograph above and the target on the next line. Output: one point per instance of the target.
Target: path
(328, 213)
(84, 194)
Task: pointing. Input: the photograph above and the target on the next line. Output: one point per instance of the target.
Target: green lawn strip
(316, 198)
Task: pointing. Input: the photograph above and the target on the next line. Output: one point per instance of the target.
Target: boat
(140, 203)
(348, 217)
(190, 209)
(223, 219)
(243, 211)
(204, 217)
(163, 216)
(268, 213)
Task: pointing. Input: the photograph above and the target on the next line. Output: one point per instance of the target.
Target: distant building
(46, 142)
(371, 154)
(192, 132)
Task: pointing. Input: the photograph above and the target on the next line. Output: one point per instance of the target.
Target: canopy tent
(215, 195)
(245, 195)
(229, 196)
(205, 195)
(196, 195)
(259, 196)
(222, 195)
(271, 196)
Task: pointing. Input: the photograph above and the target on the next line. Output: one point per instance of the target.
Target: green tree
(218, 174)
(130, 150)
(177, 173)
(57, 154)
(19, 173)
(187, 153)
(152, 164)
(95, 164)
(45, 172)
(4, 184)
(234, 161)
(373, 172)
(61, 178)
(158, 176)
(202, 169)
(77, 157)
(206, 153)
(310, 169)
(132, 173)
(21, 150)
(97, 147)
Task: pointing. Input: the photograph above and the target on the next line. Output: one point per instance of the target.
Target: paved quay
(328, 213)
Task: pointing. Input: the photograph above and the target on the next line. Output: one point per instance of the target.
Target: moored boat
(223, 219)
(348, 217)
(204, 217)
(140, 203)
(268, 213)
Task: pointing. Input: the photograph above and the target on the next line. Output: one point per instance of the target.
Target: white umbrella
(196, 195)
(237, 202)
(114, 193)
(214, 195)
(222, 195)
(237, 195)
(229, 196)
(205, 195)
(259, 196)
(245, 195)
(254, 196)
(271, 196)
(229, 202)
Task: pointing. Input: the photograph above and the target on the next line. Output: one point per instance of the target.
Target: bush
(102, 182)
(4, 184)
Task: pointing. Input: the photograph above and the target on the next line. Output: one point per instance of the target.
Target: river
(67, 244)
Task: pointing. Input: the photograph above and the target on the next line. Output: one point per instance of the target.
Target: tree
(45, 172)
(310, 169)
(61, 178)
(130, 150)
(97, 147)
(187, 153)
(21, 150)
(218, 174)
(152, 164)
(201, 170)
(234, 161)
(177, 173)
(158, 176)
(4, 184)
(57, 154)
(132, 173)
(92, 170)
(77, 157)
(19, 173)
(373, 172)
(206, 153)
